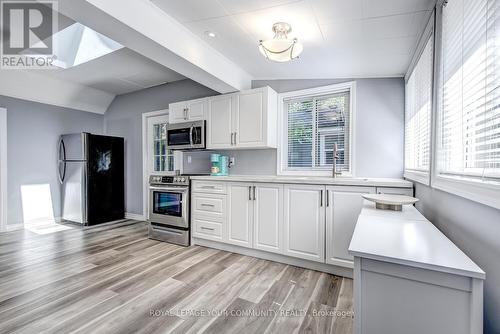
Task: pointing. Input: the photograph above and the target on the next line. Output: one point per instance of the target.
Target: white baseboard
(12, 227)
(134, 216)
(327, 268)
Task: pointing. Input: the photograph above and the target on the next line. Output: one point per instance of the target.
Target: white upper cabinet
(343, 206)
(219, 125)
(304, 222)
(186, 111)
(247, 119)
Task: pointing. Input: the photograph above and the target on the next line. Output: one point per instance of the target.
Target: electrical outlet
(232, 161)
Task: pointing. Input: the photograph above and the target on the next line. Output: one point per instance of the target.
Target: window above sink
(311, 122)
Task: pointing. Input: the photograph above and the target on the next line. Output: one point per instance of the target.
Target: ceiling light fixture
(210, 34)
(281, 48)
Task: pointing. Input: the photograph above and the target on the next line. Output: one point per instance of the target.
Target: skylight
(78, 44)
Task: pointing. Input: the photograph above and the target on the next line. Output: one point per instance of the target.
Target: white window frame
(487, 193)
(3, 169)
(423, 177)
(283, 127)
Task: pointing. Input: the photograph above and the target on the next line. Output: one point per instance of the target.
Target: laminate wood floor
(113, 279)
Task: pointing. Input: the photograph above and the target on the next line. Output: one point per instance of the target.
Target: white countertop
(407, 238)
(341, 181)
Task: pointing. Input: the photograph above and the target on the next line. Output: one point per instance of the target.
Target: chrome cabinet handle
(209, 205)
(207, 228)
(327, 198)
(208, 187)
(249, 193)
(254, 196)
(321, 198)
(235, 134)
(185, 113)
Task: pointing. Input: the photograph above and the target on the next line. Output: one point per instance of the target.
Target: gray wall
(474, 228)
(379, 122)
(33, 131)
(124, 118)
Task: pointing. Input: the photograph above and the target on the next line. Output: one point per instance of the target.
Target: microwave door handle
(191, 135)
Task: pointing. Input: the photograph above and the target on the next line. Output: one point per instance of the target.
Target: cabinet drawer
(207, 229)
(209, 187)
(209, 205)
(395, 191)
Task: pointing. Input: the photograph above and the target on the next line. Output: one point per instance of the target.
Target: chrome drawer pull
(210, 205)
(207, 228)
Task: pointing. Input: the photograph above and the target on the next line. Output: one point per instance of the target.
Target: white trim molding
(135, 216)
(418, 176)
(484, 192)
(283, 140)
(3, 168)
(145, 159)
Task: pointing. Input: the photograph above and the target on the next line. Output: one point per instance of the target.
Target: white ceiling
(342, 38)
(120, 72)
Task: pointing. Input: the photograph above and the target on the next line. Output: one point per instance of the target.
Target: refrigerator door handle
(62, 149)
(62, 160)
(61, 173)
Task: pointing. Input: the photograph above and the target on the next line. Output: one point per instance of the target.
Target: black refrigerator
(91, 174)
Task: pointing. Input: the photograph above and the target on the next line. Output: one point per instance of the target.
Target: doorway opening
(3, 169)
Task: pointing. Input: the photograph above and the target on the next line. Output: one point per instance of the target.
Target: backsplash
(252, 162)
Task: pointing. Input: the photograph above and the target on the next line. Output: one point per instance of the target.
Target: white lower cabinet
(343, 207)
(311, 222)
(304, 222)
(206, 228)
(268, 217)
(240, 214)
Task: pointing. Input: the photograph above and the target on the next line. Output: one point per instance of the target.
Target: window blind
(468, 128)
(418, 107)
(314, 124)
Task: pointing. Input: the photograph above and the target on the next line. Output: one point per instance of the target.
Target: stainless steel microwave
(186, 136)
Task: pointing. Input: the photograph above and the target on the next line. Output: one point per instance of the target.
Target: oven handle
(175, 190)
(165, 229)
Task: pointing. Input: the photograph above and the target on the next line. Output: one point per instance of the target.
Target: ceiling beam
(37, 87)
(146, 29)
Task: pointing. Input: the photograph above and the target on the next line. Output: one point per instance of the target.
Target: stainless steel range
(169, 209)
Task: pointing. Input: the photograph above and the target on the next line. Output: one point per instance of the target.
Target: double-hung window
(468, 113)
(418, 107)
(314, 123)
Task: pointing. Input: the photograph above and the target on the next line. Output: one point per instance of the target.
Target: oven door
(169, 205)
(189, 135)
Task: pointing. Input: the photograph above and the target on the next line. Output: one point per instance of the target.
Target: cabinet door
(219, 129)
(177, 112)
(344, 205)
(304, 222)
(268, 217)
(240, 214)
(197, 109)
(250, 119)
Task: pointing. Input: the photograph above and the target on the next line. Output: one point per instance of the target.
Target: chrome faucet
(335, 158)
